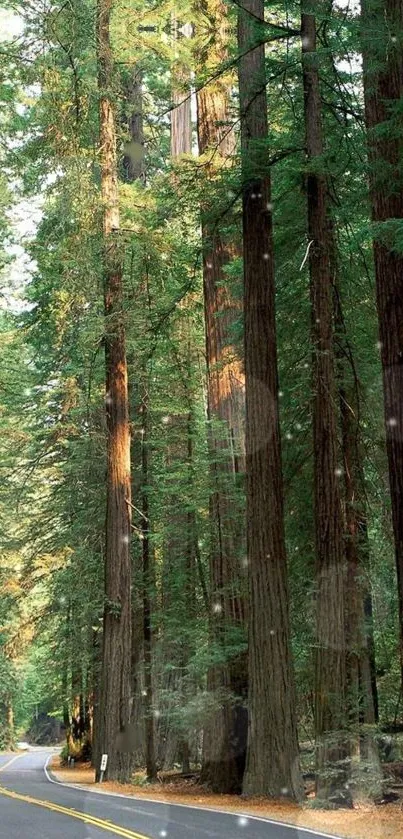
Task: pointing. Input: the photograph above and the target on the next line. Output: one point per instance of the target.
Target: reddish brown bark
(178, 580)
(330, 666)
(383, 89)
(148, 577)
(225, 734)
(115, 695)
(272, 766)
(143, 732)
(181, 120)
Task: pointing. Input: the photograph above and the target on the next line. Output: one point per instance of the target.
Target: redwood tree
(382, 40)
(224, 740)
(330, 664)
(143, 570)
(148, 584)
(115, 695)
(360, 648)
(272, 766)
(181, 119)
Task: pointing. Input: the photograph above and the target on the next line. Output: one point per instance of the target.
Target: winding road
(33, 806)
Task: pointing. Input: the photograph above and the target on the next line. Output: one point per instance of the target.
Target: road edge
(8, 763)
(53, 780)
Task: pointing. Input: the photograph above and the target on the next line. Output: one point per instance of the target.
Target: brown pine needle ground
(364, 822)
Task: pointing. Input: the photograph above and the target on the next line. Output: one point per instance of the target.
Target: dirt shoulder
(364, 822)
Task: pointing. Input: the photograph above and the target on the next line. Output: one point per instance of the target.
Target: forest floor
(365, 821)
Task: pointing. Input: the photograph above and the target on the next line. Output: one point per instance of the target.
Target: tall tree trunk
(272, 766)
(142, 641)
(226, 378)
(188, 685)
(362, 692)
(133, 159)
(151, 765)
(10, 720)
(65, 683)
(358, 664)
(383, 89)
(369, 629)
(330, 676)
(361, 708)
(225, 734)
(7, 723)
(115, 698)
(96, 687)
(181, 118)
(177, 630)
(181, 143)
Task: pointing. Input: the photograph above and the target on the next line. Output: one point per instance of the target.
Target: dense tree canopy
(201, 465)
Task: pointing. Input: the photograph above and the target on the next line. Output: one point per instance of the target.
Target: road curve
(31, 806)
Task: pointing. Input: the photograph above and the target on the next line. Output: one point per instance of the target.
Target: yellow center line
(103, 824)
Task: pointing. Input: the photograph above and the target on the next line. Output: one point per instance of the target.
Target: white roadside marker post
(104, 763)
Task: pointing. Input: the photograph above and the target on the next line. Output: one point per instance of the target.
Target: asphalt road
(31, 807)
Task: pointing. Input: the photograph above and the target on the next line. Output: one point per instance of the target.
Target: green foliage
(52, 423)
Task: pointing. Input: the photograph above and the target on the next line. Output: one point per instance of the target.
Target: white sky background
(24, 215)
(10, 25)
